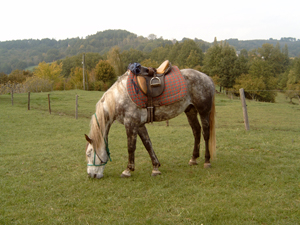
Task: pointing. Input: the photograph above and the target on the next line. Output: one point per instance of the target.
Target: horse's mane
(105, 111)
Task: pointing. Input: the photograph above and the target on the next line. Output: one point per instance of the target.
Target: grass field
(254, 180)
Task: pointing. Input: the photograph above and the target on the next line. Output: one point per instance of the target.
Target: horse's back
(198, 79)
(201, 88)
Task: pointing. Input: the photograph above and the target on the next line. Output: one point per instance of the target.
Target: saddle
(151, 82)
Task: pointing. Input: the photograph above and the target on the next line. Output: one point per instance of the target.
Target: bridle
(102, 163)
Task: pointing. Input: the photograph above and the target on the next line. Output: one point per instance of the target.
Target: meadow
(255, 178)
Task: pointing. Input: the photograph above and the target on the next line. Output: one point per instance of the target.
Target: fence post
(12, 96)
(29, 100)
(76, 107)
(245, 113)
(49, 103)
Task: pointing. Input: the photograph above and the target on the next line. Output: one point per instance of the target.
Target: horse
(116, 105)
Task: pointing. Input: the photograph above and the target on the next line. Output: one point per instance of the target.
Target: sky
(62, 19)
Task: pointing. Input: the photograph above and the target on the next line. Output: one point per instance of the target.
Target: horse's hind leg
(206, 133)
(143, 133)
(191, 113)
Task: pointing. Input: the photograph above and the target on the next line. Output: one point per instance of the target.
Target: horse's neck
(111, 99)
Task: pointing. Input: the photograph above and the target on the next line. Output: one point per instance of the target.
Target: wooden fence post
(12, 96)
(76, 107)
(245, 113)
(49, 103)
(29, 100)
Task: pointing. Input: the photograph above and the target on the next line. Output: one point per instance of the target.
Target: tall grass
(43, 180)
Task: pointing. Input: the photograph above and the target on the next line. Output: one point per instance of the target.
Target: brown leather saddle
(151, 82)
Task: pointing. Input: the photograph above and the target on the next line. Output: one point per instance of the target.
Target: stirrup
(155, 82)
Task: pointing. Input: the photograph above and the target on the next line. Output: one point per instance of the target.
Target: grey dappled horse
(116, 104)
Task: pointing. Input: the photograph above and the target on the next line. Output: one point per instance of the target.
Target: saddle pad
(175, 89)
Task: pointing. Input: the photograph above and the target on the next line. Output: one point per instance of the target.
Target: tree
(173, 54)
(276, 58)
(228, 74)
(69, 63)
(220, 61)
(115, 59)
(131, 56)
(212, 59)
(265, 51)
(150, 63)
(37, 84)
(104, 71)
(262, 69)
(152, 37)
(285, 52)
(91, 60)
(19, 76)
(242, 63)
(194, 59)
(252, 84)
(160, 54)
(293, 81)
(51, 72)
(76, 78)
(3, 78)
(186, 48)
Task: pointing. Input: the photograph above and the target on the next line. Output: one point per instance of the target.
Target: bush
(37, 84)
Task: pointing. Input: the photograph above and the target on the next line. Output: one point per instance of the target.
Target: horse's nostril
(95, 175)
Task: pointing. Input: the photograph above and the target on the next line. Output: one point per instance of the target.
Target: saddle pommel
(163, 68)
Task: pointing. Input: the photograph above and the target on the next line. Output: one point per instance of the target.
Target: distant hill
(292, 43)
(21, 54)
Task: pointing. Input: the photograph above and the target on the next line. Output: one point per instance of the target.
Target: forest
(259, 66)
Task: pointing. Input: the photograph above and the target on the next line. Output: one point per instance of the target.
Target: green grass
(254, 180)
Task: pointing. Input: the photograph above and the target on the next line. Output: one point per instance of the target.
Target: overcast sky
(256, 19)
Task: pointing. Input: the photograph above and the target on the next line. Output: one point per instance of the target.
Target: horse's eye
(89, 152)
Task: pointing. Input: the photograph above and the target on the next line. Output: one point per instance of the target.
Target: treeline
(21, 54)
(292, 43)
(259, 71)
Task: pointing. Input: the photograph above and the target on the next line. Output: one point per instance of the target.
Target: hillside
(21, 54)
(292, 43)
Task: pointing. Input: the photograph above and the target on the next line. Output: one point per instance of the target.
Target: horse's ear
(88, 139)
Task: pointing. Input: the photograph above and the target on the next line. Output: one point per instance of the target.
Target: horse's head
(96, 160)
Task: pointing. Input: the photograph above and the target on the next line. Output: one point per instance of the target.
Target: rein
(106, 148)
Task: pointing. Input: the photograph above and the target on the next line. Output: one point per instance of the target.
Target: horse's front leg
(143, 134)
(131, 145)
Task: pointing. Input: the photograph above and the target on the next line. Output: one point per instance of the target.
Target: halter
(106, 148)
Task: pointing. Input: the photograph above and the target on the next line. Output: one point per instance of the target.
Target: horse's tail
(212, 131)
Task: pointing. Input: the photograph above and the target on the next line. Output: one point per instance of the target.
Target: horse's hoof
(155, 172)
(193, 162)
(126, 173)
(207, 165)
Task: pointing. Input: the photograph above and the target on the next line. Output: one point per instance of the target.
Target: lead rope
(106, 141)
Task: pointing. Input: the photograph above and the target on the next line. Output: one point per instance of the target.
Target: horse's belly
(167, 112)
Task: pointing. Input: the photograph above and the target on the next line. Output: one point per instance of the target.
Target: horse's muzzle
(94, 175)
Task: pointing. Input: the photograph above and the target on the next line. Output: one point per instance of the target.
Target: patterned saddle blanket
(175, 89)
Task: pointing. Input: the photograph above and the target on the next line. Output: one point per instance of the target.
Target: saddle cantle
(152, 81)
(149, 87)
